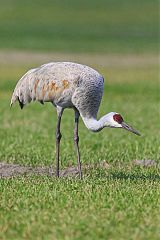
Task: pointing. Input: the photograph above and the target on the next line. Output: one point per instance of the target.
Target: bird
(68, 85)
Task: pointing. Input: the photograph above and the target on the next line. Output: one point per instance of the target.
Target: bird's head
(115, 120)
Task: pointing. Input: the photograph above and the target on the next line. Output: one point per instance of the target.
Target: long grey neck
(93, 124)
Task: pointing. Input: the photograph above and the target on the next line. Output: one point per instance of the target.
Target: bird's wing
(43, 84)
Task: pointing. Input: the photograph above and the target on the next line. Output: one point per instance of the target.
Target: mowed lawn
(119, 203)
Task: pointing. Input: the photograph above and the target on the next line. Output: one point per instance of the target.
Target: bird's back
(62, 83)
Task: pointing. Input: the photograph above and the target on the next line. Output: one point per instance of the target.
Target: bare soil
(145, 163)
(12, 170)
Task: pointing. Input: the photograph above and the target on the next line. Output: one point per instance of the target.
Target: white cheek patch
(116, 124)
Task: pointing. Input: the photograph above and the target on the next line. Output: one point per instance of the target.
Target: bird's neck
(95, 125)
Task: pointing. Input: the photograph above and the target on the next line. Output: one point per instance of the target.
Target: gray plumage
(68, 85)
(65, 84)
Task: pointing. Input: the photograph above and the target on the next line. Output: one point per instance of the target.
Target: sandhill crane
(68, 85)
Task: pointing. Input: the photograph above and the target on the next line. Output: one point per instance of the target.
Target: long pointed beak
(129, 128)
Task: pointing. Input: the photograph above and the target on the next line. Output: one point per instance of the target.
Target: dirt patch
(29, 58)
(12, 170)
(145, 163)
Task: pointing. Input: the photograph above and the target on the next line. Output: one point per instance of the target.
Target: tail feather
(20, 104)
(20, 97)
(21, 92)
(13, 99)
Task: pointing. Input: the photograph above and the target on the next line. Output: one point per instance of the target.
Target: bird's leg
(58, 138)
(76, 140)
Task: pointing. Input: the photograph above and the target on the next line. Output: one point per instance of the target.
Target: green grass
(119, 203)
(108, 207)
(92, 26)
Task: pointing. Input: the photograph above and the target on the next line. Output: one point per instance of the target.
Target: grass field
(94, 26)
(121, 202)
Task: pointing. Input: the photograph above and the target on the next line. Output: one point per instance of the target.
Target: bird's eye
(118, 118)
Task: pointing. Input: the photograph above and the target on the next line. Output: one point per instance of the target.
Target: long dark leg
(58, 138)
(76, 140)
